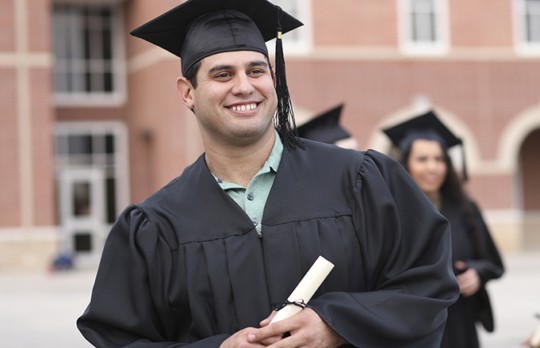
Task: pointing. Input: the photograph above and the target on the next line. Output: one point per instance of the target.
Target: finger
(460, 265)
(267, 321)
(258, 341)
(271, 331)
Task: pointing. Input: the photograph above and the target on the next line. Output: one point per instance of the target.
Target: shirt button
(250, 196)
(255, 222)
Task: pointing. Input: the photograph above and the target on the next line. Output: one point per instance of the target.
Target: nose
(431, 165)
(242, 85)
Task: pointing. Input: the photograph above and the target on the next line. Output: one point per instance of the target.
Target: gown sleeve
(490, 265)
(406, 253)
(128, 304)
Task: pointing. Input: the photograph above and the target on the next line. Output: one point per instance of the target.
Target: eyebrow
(251, 64)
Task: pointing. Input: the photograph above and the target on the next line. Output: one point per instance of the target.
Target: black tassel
(464, 163)
(284, 122)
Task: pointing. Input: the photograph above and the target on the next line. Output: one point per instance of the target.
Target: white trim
(20, 59)
(20, 234)
(149, 57)
(89, 100)
(390, 53)
(88, 2)
(24, 117)
(503, 215)
(514, 134)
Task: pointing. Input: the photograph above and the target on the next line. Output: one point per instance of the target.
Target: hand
(468, 281)
(534, 339)
(240, 340)
(306, 329)
(527, 343)
(244, 337)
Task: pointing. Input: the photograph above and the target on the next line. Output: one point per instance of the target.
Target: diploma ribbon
(299, 303)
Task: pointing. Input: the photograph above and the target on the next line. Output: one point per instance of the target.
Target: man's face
(235, 98)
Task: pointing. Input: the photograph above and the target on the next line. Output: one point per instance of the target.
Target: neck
(435, 198)
(239, 164)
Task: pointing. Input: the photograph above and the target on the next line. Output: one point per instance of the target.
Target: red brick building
(91, 121)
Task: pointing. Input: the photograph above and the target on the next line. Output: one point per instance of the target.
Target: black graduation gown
(187, 268)
(478, 251)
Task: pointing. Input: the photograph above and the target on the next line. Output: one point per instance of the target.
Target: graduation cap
(426, 126)
(197, 29)
(325, 127)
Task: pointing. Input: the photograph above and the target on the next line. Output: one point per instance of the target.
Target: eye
(222, 76)
(256, 72)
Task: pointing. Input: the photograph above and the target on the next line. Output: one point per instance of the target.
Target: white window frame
(522, 45)
(442, 32)
(298, 41)
(117, 96)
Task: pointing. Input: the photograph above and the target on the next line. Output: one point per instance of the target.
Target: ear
(184, 90)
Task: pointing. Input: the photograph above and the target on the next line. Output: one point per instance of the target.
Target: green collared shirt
(253, 198)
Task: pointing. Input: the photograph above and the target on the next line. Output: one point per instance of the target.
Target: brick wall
(9, 155)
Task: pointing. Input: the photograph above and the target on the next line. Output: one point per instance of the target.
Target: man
(205, 260)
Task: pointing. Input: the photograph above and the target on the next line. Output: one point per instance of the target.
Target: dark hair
(452, 188)
(191, 73)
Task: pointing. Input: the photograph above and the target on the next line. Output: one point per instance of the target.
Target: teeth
(245, 107)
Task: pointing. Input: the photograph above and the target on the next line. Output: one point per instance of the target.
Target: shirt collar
(275, 156)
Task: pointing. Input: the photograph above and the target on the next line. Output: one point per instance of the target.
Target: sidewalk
(515, 299)
(40, 310)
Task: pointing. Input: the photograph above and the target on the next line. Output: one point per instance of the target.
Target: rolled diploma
(306, 288)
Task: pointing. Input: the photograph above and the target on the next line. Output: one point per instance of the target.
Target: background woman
(423, 143)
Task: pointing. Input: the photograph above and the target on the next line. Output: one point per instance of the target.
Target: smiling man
(207, 260)
(234, 103)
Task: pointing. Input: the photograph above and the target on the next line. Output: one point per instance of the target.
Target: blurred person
(207, 260)
(326, 128)
(423, 143)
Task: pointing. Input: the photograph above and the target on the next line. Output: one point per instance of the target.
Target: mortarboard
(197, 29)
(324, 127)
(426, 126)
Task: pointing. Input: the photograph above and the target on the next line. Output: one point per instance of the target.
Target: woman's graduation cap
(197, 29)
(325, 127)
(426, 126)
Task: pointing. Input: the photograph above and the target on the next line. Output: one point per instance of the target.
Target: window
(298, 40)
(423, 26)
(528, 25)
(88, 56)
